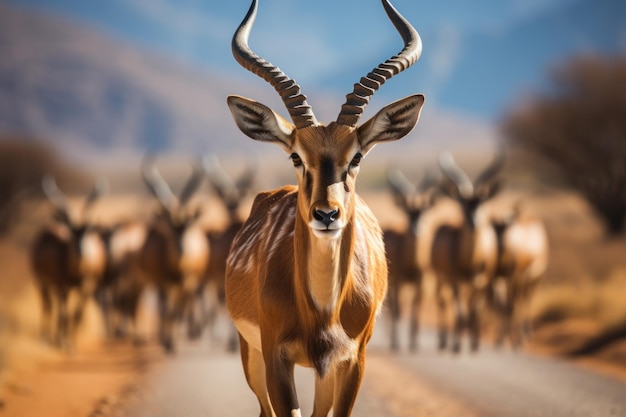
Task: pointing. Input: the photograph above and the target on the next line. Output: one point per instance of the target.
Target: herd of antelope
(114, 264)
(306, 275)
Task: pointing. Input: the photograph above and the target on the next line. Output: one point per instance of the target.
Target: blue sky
(324, 43)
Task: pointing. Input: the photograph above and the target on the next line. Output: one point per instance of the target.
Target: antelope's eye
(356, 160)
(295, 158)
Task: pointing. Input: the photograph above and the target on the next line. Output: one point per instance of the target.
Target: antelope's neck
(326, 267)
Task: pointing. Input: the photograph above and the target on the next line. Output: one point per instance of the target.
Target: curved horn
(299, 110)
(399, 183)
(100, 187)
(430, 179)
(156, 184)
(54, 193)
(356, 101)
(400, 187)
(192, 184)
(221, 182)
(456, 174)
(492, 170)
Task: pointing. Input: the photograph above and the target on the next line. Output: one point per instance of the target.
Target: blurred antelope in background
(232, 194)
(67, 255)
(523, 255)
(307, 273)
(175, 254)
(121, 288)
(403, 251)
(463, 256)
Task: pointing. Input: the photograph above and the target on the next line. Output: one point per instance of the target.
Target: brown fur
(463, 255)
(121, 288)
(175, 254)
(403, 253)
(67, 255)
(462, 258)
(522, 260)
(307, 273)
(232, 194)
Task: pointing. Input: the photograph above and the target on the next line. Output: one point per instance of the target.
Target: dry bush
(23, 163)
(578, 129)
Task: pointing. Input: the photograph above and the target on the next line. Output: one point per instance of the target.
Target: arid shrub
(23, 163)
(579, 127)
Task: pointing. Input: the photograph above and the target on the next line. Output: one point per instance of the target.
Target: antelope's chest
(323, 349)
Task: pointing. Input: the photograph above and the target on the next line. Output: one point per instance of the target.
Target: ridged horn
(299, 110)
(156, 183)
(456, 174)
(54, 193)
(356, 101)
(490, 172)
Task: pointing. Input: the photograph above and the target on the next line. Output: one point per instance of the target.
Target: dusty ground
(582, 294)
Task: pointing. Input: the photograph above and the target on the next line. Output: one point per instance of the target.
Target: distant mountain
(101, 101)
(89, 93)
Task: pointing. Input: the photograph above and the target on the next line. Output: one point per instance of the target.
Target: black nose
(326, 217)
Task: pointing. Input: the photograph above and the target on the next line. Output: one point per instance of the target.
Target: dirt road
(209, 382)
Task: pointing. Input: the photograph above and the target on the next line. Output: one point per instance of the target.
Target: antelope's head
(231, 191)
(326, 157)
(507, 218)
(174, 211)
(470, 195)
(413, 199)
(78, 224)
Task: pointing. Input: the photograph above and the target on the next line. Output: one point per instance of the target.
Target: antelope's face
(326, 161)
(469, 206)
(416, 205)
(326, 158)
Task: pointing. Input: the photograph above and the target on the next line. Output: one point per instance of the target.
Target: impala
(403, 251)
(232, 194)
(175, 253)
(463, 255)
(66, 255)
(121, 288)
(307, 273)
(522, 260)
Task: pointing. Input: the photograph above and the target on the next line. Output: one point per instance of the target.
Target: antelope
(402, 251)
(66, 255)
(175, 253)
(463, 256)
(120, 289)
(307, 273)
(522, 261)
(232, 194)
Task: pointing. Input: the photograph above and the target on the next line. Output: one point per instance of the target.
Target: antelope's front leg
(280, 383)
(416, 304)
(394, 310)
(441, 317)
(349, 376)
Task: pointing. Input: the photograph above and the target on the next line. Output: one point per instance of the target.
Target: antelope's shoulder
(366, 218)
(266, 208)
(265, 201)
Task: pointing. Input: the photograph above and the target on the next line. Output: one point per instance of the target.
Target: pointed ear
(393, 122)
(259, 122)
